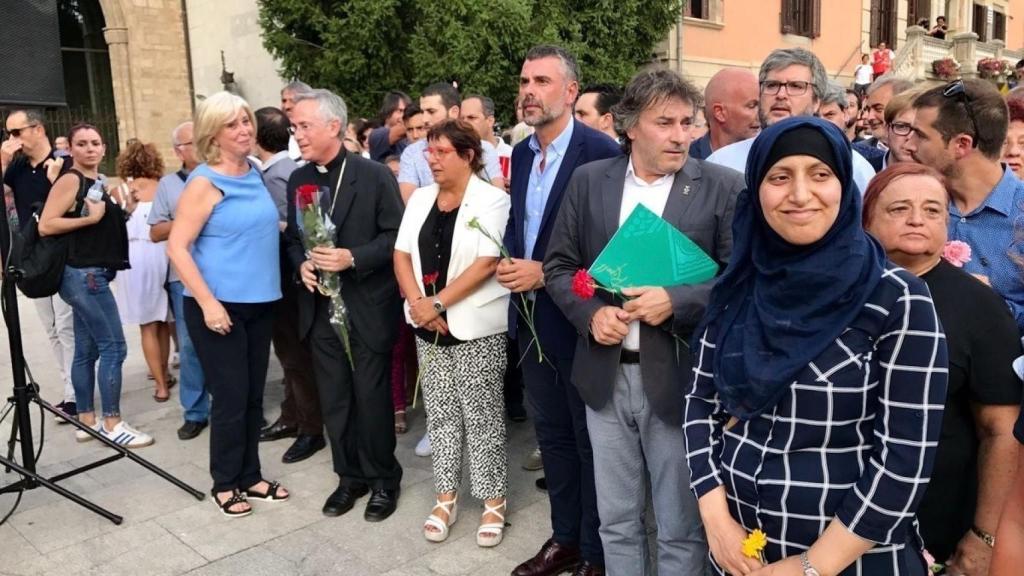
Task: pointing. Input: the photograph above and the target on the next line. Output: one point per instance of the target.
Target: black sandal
(225, 507)
(270, 495)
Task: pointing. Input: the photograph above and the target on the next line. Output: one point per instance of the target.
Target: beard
(546, 116)
(766, 120)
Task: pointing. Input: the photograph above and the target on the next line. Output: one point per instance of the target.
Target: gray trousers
(628, 439)
(58, 322)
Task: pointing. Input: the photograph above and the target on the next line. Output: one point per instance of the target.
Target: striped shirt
(854, 439)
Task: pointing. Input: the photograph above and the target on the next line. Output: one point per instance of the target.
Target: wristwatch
(985, 537)
(806, 565)
(438, 306)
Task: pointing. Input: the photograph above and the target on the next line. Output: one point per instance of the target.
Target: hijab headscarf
(778, 306)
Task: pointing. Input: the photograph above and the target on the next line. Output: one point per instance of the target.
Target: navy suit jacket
(557, 335)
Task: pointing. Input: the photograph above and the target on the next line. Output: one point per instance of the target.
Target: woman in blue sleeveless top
(224, 245)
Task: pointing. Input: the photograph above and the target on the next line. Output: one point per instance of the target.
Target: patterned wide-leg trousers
(463, 395)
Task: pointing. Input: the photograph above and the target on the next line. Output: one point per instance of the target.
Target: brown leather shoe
(552, 559)
(587, 569)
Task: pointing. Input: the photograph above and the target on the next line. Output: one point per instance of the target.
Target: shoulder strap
(82, 190)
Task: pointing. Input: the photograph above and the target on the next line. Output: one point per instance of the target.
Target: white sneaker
(175, 361)
(533, 462)
(423, 447)
(127, 436)
(82, 436)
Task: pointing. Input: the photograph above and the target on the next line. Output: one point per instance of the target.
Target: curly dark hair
(140, 160)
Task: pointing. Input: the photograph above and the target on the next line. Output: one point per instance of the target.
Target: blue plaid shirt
(995, 233)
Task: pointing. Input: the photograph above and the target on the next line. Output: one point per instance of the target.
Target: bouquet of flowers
(946, 68)
(524, 306)
(992, 68)
(318, 231)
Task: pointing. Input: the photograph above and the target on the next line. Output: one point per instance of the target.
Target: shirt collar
(559, 145)
(275, 159)
(1002, 196)
(631, 173)
(336, 162)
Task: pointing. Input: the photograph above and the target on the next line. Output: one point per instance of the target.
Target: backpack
(39, 260)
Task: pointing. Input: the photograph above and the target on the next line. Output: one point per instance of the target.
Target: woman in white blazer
(460, 315)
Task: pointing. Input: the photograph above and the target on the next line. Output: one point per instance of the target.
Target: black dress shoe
(541, 483)
(343, 499)
(304, 446)
(276, 431)
(587, 569)
(190, 430)
(552, 559)
(382, 504)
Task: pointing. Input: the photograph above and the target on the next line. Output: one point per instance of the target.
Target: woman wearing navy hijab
(819, 376)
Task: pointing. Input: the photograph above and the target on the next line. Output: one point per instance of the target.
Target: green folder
(648, 251)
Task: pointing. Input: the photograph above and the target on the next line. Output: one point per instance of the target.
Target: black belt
(629, 357)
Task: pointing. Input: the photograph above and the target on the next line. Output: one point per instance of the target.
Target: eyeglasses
(956, 89)
(300, 127)
(182, 144)
(901, 128)
(437, 152)
(793, 87)
(16, 132)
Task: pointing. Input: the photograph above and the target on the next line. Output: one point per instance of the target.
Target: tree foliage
(363, 48)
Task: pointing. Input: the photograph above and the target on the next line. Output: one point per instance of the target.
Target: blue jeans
(194, 398)
(98, 336)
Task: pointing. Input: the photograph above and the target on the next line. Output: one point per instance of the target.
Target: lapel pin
(686, 190)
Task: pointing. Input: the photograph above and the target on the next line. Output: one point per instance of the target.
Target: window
(918, 10)
(697, 9)
(801, 17)
(980, 24)
(998, 26)
(883, 23)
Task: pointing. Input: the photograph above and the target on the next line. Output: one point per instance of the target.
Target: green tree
(363, 48)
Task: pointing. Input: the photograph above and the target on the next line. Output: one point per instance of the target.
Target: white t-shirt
(862, 74)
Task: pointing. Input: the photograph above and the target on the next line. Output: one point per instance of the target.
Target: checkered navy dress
(853, 439)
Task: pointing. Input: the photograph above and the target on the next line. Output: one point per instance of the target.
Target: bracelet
(985, 537)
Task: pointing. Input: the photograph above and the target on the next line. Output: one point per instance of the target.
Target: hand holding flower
(331, 259)
(520, 275)
(609, 325)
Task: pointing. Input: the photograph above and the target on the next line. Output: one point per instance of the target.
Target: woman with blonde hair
(224, 245)
(140, 294)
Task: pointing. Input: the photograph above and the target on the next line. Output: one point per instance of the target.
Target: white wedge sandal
(452, 509)
(490, 534)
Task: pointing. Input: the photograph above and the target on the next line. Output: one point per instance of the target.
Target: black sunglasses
(956, 89)
(16, 132)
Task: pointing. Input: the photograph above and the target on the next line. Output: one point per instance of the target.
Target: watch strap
(805, 563)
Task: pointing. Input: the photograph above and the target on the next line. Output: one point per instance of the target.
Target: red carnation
(431, 279)
(305, 195)
(583, 284)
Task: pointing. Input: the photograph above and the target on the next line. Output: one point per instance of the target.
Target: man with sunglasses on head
(30, 166)
(986, 196)
(793, 82)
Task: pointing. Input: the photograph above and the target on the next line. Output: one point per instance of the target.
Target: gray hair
(177, 132)
(296, 87)
(572, 69)
(835, 94)
(330, 106)
(786, 57)
(898, 84)
(648, 88)
(486, 103)
(32, 115)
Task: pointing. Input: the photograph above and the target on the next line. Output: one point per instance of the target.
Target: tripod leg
(33, 478)
(124, 451)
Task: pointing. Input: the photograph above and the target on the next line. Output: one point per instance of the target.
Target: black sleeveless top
(103, 244)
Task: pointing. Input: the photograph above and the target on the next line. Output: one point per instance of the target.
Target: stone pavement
(167, 531)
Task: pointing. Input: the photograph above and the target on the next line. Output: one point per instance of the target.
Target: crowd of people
(843, 397)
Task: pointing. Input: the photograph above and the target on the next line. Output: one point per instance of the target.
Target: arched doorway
(88, 82)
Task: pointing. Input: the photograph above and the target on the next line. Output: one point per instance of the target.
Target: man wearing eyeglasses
(194, 398)
(985, 212)
(792, 82)
(30, 166)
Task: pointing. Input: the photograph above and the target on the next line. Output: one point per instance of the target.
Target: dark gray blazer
(701, 205)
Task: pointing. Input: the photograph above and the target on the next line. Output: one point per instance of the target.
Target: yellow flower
(754, 544)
